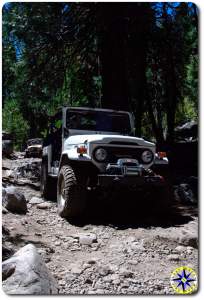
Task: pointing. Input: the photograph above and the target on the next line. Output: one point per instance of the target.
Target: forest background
(141, 57)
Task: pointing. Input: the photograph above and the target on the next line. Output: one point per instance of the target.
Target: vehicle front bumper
(133, 182)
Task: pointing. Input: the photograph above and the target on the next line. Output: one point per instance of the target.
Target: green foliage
(186, 112)
(13, 122)
(192, 81)
(172, 67)
(53, 55)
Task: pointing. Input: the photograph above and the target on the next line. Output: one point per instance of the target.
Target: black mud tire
(71, 193)
(47, 183)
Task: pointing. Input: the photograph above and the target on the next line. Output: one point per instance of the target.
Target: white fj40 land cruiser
(88, 148)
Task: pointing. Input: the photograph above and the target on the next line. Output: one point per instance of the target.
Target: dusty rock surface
(26, 273)
(106, 253)
(14, 200)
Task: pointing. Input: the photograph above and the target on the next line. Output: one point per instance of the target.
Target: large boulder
(3, 195)
(29, 168)
(7, 144)
(187, 132)
(185, 194)
(7, 250)
(25, 273)
(13, 200)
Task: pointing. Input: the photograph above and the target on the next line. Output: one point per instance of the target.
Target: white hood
(104, 139)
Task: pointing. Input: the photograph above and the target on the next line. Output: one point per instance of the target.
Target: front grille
(114, 153)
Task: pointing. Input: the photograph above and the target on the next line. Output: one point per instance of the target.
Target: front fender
(84, 165)
(71, 155)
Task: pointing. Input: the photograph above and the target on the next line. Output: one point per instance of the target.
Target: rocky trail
(111, 252)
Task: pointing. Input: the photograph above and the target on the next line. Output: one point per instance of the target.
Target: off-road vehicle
(87, 149)
(34, 148)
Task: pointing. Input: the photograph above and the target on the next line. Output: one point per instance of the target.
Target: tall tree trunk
(140, 18)
(123, 47)
(157, 130)
(172, 95)
(113, 56)
(171, 84)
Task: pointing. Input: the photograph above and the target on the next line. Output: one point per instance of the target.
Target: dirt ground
(110, 251)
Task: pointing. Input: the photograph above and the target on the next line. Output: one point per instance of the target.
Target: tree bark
(123, 55)
(113, 56)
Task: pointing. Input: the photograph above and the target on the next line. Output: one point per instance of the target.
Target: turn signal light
(81, 150)
(161, 154)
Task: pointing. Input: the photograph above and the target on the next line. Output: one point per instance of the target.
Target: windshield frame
(102, 113)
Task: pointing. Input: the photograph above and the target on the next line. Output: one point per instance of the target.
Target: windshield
(99, 121)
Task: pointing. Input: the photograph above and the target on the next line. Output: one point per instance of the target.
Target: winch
(125, 166)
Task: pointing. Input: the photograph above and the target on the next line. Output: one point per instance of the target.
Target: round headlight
(147, 156)
(101, 154)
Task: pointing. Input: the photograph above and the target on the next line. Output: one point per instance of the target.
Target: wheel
(71, 193)
(47, 184)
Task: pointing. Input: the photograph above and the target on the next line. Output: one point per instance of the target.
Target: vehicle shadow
(124, 210)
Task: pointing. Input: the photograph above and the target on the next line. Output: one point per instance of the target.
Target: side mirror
(66, 132)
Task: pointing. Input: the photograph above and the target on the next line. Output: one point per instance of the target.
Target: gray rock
(3, 194)
(4, 210)
(115, 278)
(133, 262)
(86, 266)
(87, 239)
(189, 248)
(8, 173)
(116, 281)
(92, 261)
(180, 249)
(104, 270)
(95, 248)
(173, 257)
(7, 270)
(5, 231)
(43, 205)
(36, 200)
(189, 240)
(91, 292)
(125, 273)
(186, 194)
(62, 282)
(70, 277)
(29, 168)
(7, 251)
(14, 201)
(31, 276)
(107, 279)
(99, 292)
(38, 233)
(7, 144)
(76, 270)
(57, 243)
